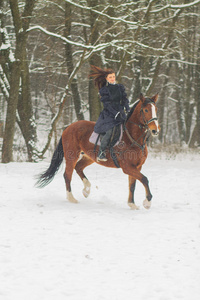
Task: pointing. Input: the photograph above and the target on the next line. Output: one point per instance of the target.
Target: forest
(47, 47)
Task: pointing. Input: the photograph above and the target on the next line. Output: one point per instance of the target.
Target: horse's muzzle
(154, 132)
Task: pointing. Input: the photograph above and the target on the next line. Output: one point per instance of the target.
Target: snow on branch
(101, 13)
(172, 99)
(4, 89)
(180, 6)
(95, 48)
(66, 40)
(90, 48)
(56, 4)
(4, 84)
(184, 5)
(179, 61)
(160, 50)
(7, 45)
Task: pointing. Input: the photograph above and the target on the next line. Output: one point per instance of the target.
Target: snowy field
(99, 249)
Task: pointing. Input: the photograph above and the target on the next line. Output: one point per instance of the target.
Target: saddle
(115, 139)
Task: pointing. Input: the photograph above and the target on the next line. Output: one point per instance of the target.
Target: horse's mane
(132, 109)
(147, 100)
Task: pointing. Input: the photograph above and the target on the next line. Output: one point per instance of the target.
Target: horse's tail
(46, 177)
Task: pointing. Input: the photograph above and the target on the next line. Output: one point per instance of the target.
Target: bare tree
(151, 44)
(19, 92)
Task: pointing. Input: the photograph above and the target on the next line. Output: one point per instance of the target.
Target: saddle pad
(94, 137)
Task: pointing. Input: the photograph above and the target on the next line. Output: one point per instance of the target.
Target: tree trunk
(159, 60)
(25, 110)
(162, 106)
(197, 97)
(94, 102)
(181, 116)
(7, 152)
(20, 95)
(70, 66)
(15, 69)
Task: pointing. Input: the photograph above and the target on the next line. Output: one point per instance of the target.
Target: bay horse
(131, 152)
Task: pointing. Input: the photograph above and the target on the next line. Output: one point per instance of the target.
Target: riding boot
(104, 143)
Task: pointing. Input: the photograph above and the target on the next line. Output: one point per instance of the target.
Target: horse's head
(148, 114)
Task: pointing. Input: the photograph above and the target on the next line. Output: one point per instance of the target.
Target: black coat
(114, 100)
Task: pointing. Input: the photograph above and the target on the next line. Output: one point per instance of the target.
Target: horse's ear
(155, 98)
(142, 99)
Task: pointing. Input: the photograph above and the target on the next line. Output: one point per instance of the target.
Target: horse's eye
(146, 110)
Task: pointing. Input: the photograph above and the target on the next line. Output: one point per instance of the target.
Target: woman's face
(111, 78)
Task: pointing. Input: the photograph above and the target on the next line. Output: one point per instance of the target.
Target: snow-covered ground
(99, 249)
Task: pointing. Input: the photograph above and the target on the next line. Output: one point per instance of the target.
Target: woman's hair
(99, 75)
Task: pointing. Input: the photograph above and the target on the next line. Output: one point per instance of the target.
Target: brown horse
(131, 152)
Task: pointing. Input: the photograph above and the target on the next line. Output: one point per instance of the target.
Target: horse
(131, 152)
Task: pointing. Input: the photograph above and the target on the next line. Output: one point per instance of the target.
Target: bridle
(141, 126)
(144, 119)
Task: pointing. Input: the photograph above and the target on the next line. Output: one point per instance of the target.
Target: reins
(141, 126)
(134, 142)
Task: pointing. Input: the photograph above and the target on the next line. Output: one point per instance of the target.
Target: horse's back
(78, 126)
(78, 130)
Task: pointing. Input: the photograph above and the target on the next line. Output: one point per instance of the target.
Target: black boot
(104, 144)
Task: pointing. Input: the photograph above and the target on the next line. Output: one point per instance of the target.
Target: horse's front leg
(147, 201)
(137, 175)
(131, 202)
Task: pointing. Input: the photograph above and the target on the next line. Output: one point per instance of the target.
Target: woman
(114, 99)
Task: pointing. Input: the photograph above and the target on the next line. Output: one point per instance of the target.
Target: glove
(117, 114)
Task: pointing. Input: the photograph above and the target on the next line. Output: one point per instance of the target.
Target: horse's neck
(134, 126)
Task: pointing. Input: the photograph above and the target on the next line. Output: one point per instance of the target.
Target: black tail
(46, 177)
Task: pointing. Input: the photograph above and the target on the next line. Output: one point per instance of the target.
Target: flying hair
(99, 75)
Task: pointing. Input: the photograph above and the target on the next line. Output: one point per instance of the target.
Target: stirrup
(101, 157)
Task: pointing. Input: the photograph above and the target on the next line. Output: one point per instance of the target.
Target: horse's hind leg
(68, 176)
(71, 158)
(80, 166)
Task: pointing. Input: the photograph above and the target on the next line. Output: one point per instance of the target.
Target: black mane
(147, 101)
(132, 109)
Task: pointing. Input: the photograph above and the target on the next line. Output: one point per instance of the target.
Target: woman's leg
(104, 144)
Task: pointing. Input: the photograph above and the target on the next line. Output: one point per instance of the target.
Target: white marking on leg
(87, 185)
(153, 111)
(71, 198)
(133, 206)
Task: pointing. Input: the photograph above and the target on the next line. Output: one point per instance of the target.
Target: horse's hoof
(86, 192)
(87, 185)
(71, 198)
(146, 204)
(133, 206)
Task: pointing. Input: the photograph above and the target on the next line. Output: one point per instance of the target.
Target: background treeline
(47, 47)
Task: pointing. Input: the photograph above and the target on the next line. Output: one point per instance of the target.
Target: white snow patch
(99, 249)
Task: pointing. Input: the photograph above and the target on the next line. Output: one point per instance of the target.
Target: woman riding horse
(114, 99)
(131, 153)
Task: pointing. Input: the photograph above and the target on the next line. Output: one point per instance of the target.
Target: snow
(96, 48)
(178, 6)
(102, 13)
(99, 249)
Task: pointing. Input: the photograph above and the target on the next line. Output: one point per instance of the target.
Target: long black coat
(112, 106)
